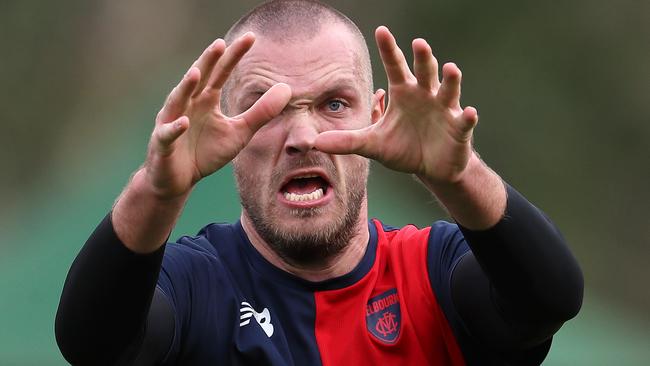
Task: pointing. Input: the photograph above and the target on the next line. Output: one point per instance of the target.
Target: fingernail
(178, 124)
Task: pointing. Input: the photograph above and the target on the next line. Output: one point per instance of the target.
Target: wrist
(457, 180)
(476, 199)
(143, 183)
(142, 217)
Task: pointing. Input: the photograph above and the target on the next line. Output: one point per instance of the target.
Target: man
(304, 278)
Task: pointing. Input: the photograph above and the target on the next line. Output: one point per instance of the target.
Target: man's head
(292, 21)
(305, 204)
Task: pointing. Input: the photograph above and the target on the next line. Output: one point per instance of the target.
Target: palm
(416, 133)
(424, 130)
(193, 138)
(212, 140)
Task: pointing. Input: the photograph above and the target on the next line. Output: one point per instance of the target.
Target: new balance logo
(263, 318)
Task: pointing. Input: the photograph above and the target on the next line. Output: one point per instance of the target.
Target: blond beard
(297, 246)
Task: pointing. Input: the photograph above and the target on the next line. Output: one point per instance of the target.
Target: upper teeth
(304, 197)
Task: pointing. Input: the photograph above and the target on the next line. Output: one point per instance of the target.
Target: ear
(378, 105)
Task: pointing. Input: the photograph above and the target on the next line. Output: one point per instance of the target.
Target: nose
(302, 130)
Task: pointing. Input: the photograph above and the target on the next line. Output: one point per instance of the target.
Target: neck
(335, 266)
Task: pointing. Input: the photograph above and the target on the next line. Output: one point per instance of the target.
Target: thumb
(342, 142)
(267, 107)
(165, 134)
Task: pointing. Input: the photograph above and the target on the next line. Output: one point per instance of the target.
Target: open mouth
(305, 188)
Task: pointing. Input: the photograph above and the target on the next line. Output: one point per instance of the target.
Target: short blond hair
(295, 21)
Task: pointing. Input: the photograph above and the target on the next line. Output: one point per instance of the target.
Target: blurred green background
(562, 90)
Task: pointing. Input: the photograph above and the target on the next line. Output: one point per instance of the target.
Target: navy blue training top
(417, 297)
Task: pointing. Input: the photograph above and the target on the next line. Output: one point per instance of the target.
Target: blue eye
(335, 105)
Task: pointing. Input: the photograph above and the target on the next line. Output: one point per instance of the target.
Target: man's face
(305, 204)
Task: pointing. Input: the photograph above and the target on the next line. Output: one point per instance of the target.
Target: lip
(306, 171)
(328, 196)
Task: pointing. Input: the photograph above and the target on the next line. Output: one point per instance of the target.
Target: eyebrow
(346, 89)
(332, 87)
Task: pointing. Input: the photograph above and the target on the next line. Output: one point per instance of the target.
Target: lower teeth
(304, 197)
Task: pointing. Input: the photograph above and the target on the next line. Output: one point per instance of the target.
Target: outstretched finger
(425, 65)
(449, 92)
(267, 107)
(179, 97)
(468, 119)
(347, 142)
(392, 57)
(229, 60)
(205, 63)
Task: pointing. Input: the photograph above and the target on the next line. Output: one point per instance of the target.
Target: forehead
(333, 53)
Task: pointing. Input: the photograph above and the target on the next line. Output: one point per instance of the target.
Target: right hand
(192, 138)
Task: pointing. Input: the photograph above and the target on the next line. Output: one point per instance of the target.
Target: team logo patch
(383, 316)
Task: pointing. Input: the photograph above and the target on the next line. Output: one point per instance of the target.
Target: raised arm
(191, 139)
(109, 289)
(505, 291)
(424, 131)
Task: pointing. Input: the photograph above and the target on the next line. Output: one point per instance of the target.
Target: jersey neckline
(267, 269)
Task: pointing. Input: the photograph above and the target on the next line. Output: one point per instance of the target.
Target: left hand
(424, 130)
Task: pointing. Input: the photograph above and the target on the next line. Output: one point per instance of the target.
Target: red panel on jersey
(390, 316)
